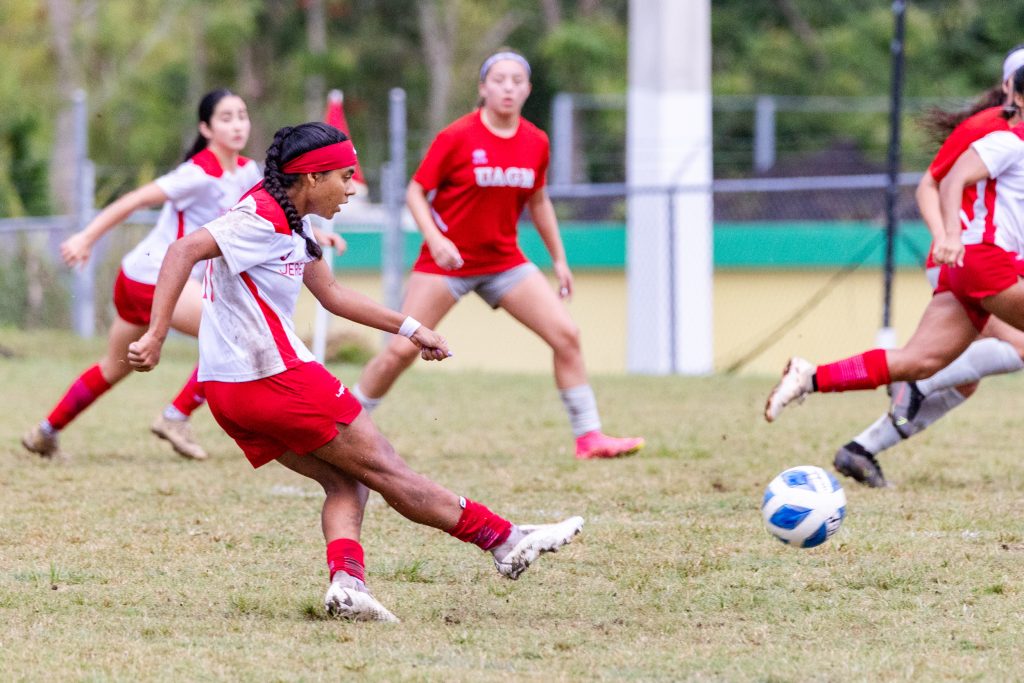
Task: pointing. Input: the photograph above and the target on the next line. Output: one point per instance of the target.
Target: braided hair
(206, 107)
(289, 142)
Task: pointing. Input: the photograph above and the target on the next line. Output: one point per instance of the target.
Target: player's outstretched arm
(359, 308)
(144, 354)
(76, 249)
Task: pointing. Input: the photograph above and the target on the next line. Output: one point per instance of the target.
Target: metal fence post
(83, 303)
(393, 184)
(764, 133)
(561, 139)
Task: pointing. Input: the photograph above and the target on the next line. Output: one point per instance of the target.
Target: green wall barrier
(738, 245)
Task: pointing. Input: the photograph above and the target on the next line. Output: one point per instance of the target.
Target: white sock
(935, 405)
(369, 404)
(47, 428)
(881, 435)
(581, 405)
(982, 358)
(173, 414)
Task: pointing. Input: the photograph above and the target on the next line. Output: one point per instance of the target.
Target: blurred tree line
(145, 63)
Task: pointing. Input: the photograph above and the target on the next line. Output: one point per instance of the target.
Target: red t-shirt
(482, 182)
(967, 132)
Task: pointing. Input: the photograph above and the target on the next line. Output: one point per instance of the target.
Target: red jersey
(482, 182)
(967, 132)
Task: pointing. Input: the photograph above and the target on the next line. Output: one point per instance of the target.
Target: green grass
(128, 563)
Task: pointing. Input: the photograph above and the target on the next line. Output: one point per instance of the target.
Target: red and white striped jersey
(249, 294)
(197, 192)
(998, 215)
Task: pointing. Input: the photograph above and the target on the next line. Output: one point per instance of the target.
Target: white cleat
(539, 539)
(345, 601)
(794, 386)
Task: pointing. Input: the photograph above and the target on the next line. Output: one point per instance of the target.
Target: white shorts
(491, 287)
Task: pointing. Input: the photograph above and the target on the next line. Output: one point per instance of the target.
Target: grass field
(128, 563)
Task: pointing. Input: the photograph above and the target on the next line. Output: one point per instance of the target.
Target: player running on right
(915, 405)
(980, 275)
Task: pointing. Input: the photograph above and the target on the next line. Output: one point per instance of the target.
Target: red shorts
(297, 410)
(133, 300)
(987, 271)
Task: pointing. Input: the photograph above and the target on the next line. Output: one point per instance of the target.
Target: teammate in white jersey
(208, 183)
(980, 276)
(270, 395)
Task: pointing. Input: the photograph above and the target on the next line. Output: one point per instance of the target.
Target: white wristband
(409, 326)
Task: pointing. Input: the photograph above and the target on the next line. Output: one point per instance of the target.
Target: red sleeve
(955, 145)
(434, 167)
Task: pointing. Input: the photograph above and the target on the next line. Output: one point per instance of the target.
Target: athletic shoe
(347, 598)
(905, 404)
(593, 445)
(539, 539)
(42, 444)
(856, 462)
(179, 434)
(795, 384)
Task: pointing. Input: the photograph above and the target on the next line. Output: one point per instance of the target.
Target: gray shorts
(491, 287)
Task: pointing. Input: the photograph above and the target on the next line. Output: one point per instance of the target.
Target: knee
(967, 390)
(398, 355)
(922, 368)
(566, 339)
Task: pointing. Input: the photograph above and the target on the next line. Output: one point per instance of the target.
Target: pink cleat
(597, 445)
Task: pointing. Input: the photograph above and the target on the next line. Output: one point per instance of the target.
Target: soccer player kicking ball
(269, 394)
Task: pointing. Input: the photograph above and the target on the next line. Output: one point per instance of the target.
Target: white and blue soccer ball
(803, 506)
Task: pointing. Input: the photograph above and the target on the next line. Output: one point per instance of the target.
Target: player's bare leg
(533, 303)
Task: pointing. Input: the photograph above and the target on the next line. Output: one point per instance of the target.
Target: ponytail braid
(275, 183)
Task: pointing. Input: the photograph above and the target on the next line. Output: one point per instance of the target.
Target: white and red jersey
(198, 191)
(249, 294)
(969, 130)
(482, 182)
(998, 211)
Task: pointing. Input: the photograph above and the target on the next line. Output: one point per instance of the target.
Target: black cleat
(854, 461)
(905, 404)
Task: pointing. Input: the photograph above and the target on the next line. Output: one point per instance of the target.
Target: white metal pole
(668, 143)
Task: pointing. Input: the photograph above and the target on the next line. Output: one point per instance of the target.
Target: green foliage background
(145, 62)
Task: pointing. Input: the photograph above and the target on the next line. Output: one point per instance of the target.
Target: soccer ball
(803, 506)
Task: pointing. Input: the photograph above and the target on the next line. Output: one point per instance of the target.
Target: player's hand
(949, 251)
(144, 354)
(331, 239)
(564, 276)
(76, 249)
(445, 254)
(432, 345)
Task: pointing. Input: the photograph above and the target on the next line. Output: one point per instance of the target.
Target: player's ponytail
(288, 144)
(207, 105)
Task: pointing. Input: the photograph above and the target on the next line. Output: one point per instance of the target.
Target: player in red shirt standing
(481, 171)
(915, 405)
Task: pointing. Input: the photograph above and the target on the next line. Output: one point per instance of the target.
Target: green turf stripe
(739, 245)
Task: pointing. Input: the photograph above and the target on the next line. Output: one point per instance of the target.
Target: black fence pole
(893, 189)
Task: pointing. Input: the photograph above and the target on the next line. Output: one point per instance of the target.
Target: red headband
(338, 155)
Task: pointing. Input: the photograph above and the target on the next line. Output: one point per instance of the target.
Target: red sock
(346, 555)
(191, 396)
(865, 371)
(480, 526)
(83, 391)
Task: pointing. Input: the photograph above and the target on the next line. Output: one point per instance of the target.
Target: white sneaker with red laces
(348, 598)
(794, 386)
(538, 539)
